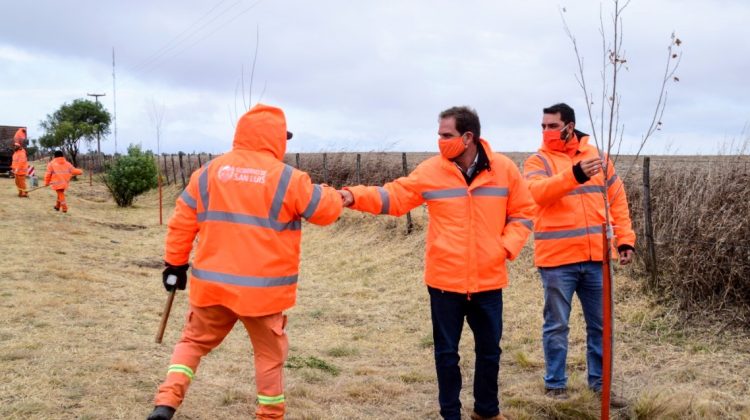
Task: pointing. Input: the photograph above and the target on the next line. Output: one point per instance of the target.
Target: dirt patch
(121, 226)
(149, 263)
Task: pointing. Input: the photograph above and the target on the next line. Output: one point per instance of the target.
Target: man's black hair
(567, 115)
(466, 120)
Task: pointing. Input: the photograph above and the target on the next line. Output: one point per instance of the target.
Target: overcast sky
(370, 75)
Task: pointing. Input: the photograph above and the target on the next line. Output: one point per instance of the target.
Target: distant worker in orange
(59, 173)
(20, 163)
(480, 217)
(567, 182)
(246, 209)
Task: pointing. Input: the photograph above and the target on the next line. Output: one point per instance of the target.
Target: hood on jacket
(262, 129)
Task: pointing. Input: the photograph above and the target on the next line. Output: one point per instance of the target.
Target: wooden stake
(607, 339)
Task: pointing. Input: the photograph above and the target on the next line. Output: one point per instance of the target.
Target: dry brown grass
(701, 217)
(80, 297)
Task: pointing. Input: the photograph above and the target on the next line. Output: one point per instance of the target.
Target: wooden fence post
(359, 168)
(182, 170)
(648, 224)
(296, 158)
(189, 165)
(166, 168)
(325, 168)
(174, 169)
(409, 225)
(199, 160)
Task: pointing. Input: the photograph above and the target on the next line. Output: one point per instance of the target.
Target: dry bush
(701, 218)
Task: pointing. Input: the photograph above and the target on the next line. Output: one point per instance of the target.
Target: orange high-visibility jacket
(20, 163)
(246, 208)
(568, 224)
(59, 172)
(20, 136)
(472, 229)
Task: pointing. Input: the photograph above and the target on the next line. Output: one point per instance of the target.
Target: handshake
(347, 197)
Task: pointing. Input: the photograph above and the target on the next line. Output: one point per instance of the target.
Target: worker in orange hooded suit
(59, 172)
(480, 217)
(20, 163)
(245, 207)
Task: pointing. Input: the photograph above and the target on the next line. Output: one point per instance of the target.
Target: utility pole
(98, 144)
(114, 95)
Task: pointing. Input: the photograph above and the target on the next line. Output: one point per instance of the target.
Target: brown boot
(475, 416)
(556, 393)
(615, 401)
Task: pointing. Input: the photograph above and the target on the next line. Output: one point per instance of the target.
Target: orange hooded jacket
(20, 165)
(472, 230)
(59, 172)
(568, 224)
(246, 208)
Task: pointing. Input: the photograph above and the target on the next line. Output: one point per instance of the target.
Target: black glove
(581, 176)
(179, 271)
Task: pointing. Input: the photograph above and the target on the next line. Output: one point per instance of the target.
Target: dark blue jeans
(484, 313)
(584, 279)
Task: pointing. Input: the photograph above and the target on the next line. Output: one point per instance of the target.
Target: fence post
(189, 165)
(166, 168)
(182, 171)
(199, 160)
(359, 166)
(296, 158)
(409, 225)
(325, 168)
(91, 171)
(648, 224)
(174, 169)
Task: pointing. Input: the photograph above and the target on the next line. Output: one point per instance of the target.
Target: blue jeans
(484, 313)
(559, 285)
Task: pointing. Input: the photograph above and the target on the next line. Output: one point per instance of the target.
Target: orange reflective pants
(61, 204)
(21, 185)
(205, 328)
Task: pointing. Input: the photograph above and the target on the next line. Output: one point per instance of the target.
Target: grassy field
(81, 297)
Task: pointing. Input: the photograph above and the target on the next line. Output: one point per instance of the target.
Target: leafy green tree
(130, 176)
(82, 120)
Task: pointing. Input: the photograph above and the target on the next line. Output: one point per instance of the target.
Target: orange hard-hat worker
(244, 203)
(58, 175)
(20, 135)
(480, 217)
(20, 165)
(566, 180)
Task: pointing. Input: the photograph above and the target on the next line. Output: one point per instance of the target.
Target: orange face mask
(553, 140)
(451, 148)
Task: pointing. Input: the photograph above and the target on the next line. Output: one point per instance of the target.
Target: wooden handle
(165, 316)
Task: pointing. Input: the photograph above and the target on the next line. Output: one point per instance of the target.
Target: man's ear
(469, 136)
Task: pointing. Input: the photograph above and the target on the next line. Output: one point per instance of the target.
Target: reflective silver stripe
(534, 173)
(526, 222)
(203, 186)
(248, 281)
(612, 180)
(449, 193)
(568, 233)
(546, 165)
(278, 197)
(190, 201)
(246, 219)
(314, 200)
(490, 192)
(385, 200)
(587, 189)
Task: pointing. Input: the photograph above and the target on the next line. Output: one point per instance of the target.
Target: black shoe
(161, 412)
(615, 401)
(556, 393)
(56, 208)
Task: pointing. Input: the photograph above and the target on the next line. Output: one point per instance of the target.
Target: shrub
(130, 176)
(701, 217)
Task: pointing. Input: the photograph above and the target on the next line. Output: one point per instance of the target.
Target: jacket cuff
(581, 176)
